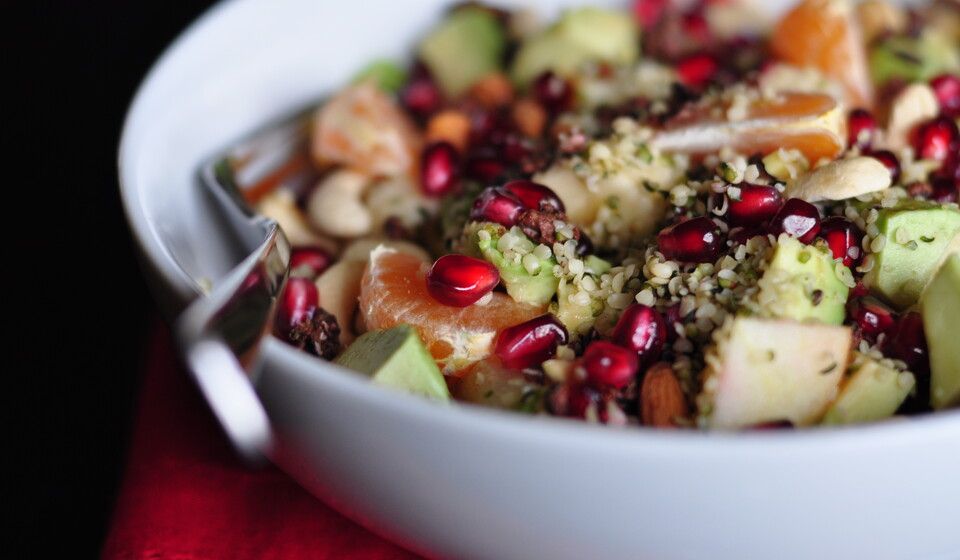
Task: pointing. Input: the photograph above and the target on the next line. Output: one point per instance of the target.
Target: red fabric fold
(186, 496)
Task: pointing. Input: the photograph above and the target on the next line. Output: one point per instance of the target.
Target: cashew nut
(399, 198)
(360, 249)
(878, 17)
(339, 288)
(581, 203)
(335, 206)
(915, 104)
(837, 180)
(281, 207)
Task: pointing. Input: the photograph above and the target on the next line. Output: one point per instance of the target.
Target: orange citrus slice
(812, 123)
(363, 128)
(394, 291)
(825, 34)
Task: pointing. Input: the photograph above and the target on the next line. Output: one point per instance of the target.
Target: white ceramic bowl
(459, 481)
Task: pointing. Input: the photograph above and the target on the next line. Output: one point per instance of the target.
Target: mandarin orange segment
(825, 34)
(809, 122)
(394, 291)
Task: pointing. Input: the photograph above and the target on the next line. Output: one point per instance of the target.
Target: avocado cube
(870, 392)
(397, 358)
(465, 47)
(940, 307)
(914, 59)
(801, 283)
(918, 235)
(528, 279)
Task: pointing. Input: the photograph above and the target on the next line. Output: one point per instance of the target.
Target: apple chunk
(764, 370)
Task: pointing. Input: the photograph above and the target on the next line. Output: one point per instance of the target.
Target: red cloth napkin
(186, 496)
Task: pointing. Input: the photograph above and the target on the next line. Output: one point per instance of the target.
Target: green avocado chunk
(397, 358)
(581, 35)
(918, 235)
(385, 74)
(466, 46)
(576, 317)
(534, 286)
(940, 307)
(870, 392)
(801, 283)
(913, 59)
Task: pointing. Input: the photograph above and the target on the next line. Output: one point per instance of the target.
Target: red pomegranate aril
(609, 365)
(945, 189)
(642, 329)
(531, 343)
(889, 161)
(696, 27)
(580, 398)
(797, 218)
(695, 71)
(871, 315)
(755, 205)
(494, 204)
(297, 303)
(648, 12)
(861, 126)
(312, 260)
(553, 92)
(843, 237)
(439, 169)
(534, 195)
(696, 240)
(420, 95)
(907, 342)
(484, 168)
(459, 280)
(937, 139)
(947, 89)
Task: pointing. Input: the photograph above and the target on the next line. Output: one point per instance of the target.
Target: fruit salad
(673, 214)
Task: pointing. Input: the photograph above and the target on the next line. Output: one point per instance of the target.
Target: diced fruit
(385, 74)
(696, 70)
(754, 205)
(797, 218)
(396, 358)
(642, 329)
(917, 236)
(497, 205)
(464, 48)
(534, 195)
(871, 316)
(940, 306)
(947, 89)
(825, 34)
(913, 59)
(812, 123)
(870, 392)
(609, 365)
(488, 384)
(581, 35)
(421, 96)
(363, 128)
(531, 343)
(696, 240)
(459, 280)
(937, 139)
(908, 342)
(394, 291)
(861, 126)
(801, 283)
(530, 280)
(843, 237)
(439, 169)
(762, 370)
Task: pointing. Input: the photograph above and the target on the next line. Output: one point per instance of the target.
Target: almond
(662, 403)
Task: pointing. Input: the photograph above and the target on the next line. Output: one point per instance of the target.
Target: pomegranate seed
(945, 189)
(459, 280)
(797, 218)
(609, 365)
(756, 205)
(584, 245)
(891, 162)
(947, 89)
(580, 399)
(696, 240)
(534, 195)
(297, 303)
(648, 12)
(531, 343)
(696, 27)
(695, 71)
(311, 260)
(439, 168)
(843, 237)
(908, 343)
(421, 96)
(498, 206)
(871, 315)
(937, 139)
(859, 290)
(553, 92)
(516, 148)
(484, 168)
(861, 126)
(641, 329)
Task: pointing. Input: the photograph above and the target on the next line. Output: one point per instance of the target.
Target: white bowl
(459, 481)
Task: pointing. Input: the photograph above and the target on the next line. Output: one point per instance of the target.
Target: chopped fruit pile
(676, 215)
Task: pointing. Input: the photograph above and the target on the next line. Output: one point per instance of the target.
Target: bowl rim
(163, 266)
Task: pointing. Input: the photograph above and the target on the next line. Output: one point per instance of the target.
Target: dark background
(73, 275)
